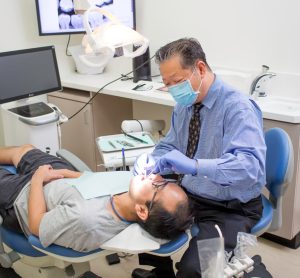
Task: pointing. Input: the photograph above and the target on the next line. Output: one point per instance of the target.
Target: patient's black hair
(168, 225)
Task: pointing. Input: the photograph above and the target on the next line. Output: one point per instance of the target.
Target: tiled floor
(281, 262)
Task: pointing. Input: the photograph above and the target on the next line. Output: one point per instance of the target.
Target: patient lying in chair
(38, 200)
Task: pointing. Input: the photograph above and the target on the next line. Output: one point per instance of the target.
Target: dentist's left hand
(176, 161)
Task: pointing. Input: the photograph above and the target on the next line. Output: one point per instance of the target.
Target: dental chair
(30, 259)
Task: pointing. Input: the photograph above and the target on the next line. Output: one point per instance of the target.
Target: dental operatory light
(100, 45)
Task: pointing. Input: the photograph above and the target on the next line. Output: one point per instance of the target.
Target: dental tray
(115, 143)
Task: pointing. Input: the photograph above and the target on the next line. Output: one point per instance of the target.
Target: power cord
(125, 77)
(124, 255)
(67, 47)
(115, 80)
(142, 128)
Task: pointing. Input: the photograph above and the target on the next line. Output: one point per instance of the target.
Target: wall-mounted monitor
(28, 72)
(60, 17)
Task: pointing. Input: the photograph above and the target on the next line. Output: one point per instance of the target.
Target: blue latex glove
(176, 161)
(143, 165)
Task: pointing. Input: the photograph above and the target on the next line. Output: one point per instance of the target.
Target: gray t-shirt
(70, 220)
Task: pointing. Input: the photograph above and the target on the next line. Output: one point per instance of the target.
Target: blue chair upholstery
(10, 168)
(172, 246)
(22, 245)
(164, 250)
(266, 218)
(279, 173)
(19, 243)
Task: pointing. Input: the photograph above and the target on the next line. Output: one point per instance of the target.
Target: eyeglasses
(156, 185)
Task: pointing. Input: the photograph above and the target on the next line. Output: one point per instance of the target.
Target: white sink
(280, 109)
(238, 79)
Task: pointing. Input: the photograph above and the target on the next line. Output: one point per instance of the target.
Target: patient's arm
(36, 202)
(68, 173)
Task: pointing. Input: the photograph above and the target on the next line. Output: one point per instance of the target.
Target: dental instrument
(150, 173)
(111, 143)
(136, 138)
(124, 143)
(123, 159)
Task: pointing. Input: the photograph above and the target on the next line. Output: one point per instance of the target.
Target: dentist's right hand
(143, 164)
(176, 161)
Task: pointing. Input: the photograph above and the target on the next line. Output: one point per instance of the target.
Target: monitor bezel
(37, 93)
(68, 32)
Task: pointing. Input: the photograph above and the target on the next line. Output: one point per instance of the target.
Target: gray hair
(188, 49)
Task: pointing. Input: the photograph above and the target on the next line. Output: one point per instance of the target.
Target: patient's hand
(68, 173)
(45, 174)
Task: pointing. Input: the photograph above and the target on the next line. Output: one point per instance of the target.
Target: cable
(122, 75)
(124, 254)
(142, 129)
(125, 77)
(59, 134)
(93, 97)
(67, 54)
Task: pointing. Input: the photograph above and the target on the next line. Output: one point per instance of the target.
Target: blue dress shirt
(231, 151)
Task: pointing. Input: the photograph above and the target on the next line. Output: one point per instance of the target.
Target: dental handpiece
(150, 173)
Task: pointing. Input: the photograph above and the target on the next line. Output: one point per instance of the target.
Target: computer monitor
(57, 17)
(28, 72)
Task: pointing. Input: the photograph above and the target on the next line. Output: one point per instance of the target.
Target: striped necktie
(194, 134)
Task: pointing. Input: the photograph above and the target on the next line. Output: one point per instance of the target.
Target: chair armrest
(75, 161)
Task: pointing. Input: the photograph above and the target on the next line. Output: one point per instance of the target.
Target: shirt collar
(212, 93)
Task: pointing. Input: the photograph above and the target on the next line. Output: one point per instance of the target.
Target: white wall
(19, 29)
(234, 33)
(239, 34)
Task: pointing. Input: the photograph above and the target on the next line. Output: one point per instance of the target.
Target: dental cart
(122, 149)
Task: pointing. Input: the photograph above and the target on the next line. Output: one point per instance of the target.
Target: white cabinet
(101, 116)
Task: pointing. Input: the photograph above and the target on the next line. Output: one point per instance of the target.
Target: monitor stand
(30, 122)
(32, 110)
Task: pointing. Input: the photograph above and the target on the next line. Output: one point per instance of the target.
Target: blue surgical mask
(183, 93)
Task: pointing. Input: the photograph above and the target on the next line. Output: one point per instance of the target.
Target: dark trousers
(231, 217)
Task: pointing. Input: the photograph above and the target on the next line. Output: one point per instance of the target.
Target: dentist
(216, 145)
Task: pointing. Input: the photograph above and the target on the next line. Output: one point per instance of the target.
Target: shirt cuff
(207, 168)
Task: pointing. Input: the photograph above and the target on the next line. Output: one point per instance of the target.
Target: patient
(37, 200)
